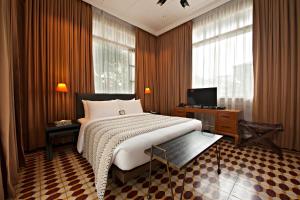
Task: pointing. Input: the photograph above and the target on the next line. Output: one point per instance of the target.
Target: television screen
(202, 97)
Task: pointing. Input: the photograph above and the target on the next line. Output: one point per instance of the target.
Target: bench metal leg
(170, 180)
(150, 172)
(183, 182)
(168, 170)
(218, 157)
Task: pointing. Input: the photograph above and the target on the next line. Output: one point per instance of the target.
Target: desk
(226, 121)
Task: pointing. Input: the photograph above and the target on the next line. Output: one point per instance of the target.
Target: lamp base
(63, 122)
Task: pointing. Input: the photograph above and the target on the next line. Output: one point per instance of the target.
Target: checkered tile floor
(250, 173)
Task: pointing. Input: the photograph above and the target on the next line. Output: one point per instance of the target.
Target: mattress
(130, 153)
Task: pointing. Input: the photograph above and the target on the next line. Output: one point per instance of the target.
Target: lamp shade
(61, 87)
(147, 90)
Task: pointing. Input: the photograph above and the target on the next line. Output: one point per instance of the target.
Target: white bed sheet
(130, 153)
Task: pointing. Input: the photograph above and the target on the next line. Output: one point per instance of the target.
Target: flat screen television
(206, 97)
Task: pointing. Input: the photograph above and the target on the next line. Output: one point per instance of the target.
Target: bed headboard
(97, 97)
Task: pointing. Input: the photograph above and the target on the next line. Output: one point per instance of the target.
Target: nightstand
(53, 130)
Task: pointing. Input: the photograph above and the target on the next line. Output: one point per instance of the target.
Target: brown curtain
(276, 51)
(1, 185)
(146, 69)
(8, 139)
(58, 35)
(18, 31)
(174, 67)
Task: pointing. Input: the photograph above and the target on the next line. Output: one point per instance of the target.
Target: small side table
(53, 130)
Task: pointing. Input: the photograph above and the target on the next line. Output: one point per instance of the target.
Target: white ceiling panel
(156, 19)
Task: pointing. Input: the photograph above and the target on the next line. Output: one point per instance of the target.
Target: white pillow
(131, 106)
(100, 109)
(82, 121)
(86, 109)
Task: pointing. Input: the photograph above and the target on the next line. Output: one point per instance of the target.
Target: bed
(129, 158)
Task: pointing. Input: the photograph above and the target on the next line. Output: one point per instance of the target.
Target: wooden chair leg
(272, 146)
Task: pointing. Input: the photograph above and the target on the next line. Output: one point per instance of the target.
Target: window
(222, 54)
(113, 54)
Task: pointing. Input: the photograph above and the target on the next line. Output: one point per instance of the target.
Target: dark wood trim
(125, 176)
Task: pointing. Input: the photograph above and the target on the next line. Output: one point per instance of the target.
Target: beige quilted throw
(103, 136)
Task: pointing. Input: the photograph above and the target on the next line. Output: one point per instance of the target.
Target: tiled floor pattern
(250, 173)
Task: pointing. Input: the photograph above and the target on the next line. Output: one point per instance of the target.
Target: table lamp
(62, 88)
(147, 90)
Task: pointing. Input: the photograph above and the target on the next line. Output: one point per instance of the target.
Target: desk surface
(195, 109)
(182, 150)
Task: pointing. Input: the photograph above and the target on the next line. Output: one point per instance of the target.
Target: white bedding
(130, 153)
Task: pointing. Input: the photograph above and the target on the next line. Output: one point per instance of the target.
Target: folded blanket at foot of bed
(103, 136)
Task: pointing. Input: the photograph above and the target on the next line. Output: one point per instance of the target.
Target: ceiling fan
(183, 3)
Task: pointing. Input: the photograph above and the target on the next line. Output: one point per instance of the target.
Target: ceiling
(151, 17)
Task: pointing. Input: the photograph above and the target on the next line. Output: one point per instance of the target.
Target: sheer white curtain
(113, 54)
(222, 54)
